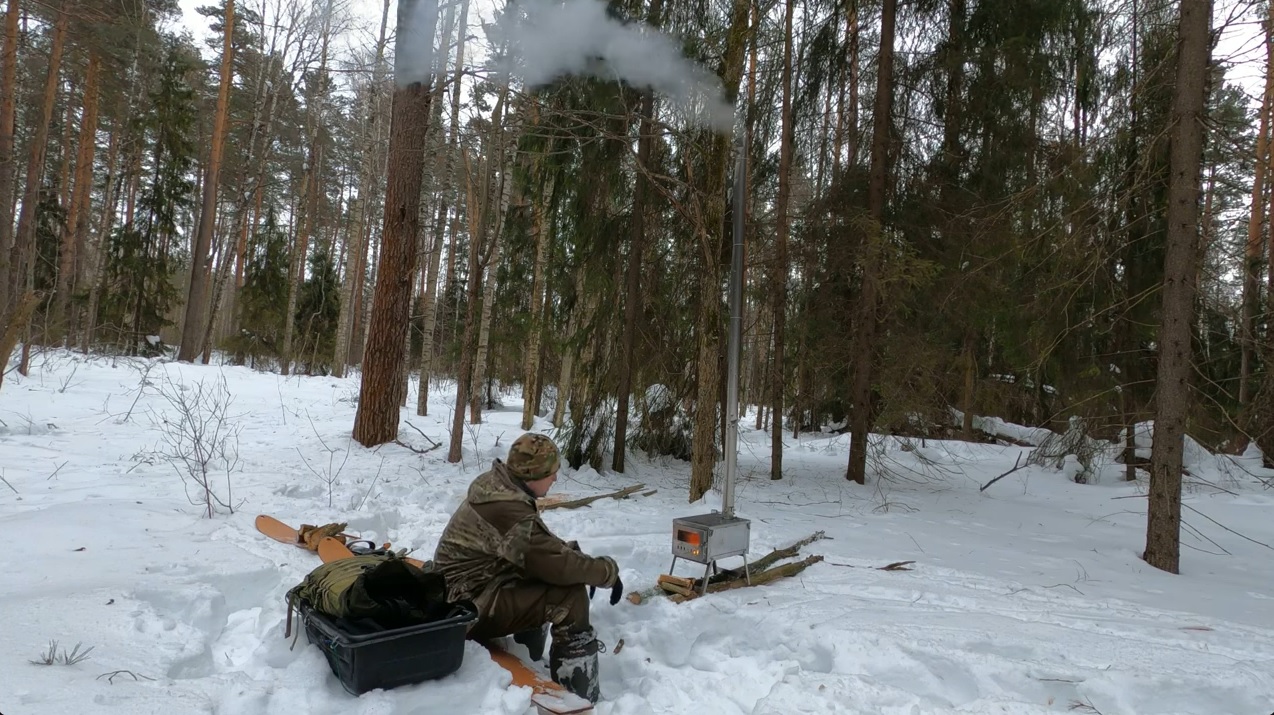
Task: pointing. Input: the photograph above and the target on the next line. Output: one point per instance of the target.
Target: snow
(1029, 597)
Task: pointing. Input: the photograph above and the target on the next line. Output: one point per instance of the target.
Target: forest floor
(1028, 597)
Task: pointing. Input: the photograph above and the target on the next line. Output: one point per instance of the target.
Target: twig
(110, 677)
(1014, 469)
(1223, 526)
(585, 501)
(1205, 516)
(7, 484)
(417, 450)
(372, 485)
(422, 434)
(55, 471)
(895, 566)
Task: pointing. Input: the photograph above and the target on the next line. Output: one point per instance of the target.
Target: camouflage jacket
(496, 536)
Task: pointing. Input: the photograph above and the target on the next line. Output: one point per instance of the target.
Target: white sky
(1240, 44)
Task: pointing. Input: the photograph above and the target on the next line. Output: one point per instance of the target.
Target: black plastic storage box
(365, 657)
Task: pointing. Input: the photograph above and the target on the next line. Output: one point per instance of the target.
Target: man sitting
(497, 552)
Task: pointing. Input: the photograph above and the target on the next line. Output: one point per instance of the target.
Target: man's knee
(569, 607)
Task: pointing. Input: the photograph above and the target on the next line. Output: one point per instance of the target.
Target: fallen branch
(895, 566)
(585, 501)
(760, 565)
(758, 579)
(1014, 469)
(417, 450)
(422, 434)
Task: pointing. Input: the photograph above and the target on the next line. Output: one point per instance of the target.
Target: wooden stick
(585, 501)
(1014, 469)
(759, 579)
(761, 564)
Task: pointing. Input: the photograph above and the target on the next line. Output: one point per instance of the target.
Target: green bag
(379, 587)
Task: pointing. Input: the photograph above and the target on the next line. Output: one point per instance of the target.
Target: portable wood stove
(707, 538)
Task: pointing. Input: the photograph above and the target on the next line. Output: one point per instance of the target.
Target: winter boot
(533, 639)
(573, 663)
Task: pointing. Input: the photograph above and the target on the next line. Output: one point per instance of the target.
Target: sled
(548, 697)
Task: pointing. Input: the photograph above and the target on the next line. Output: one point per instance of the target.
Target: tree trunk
(1163, 526)
(357, 262)
(711, 198)
(488, 302)
(201, 257)
(23, 252)
(873, 250)
(349, 322)
(448, 198)
(778, 276)
(531, 360)
(77, 216)
(632, 279)
(851, 120)
(8, 165)
(309, 228)
(376, 421)
(1253, 256)
(465, 373)
(970, 383)
(93, 259)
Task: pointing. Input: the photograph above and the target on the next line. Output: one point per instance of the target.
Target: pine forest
(957, 214)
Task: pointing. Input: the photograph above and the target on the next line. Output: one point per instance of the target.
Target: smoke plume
(553, 38)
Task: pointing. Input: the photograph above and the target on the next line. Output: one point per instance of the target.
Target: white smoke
(553, 38)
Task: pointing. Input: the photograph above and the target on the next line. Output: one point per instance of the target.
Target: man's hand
(616, 591)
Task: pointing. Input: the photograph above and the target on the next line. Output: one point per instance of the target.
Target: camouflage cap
(532, 456)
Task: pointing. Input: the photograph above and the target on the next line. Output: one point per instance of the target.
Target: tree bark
(23, 252)
(356, 269)
(1163, 525)
(778, 277)
(309, 228)
(201, 256)
(492, 264)
(1254, 254)
(873, 249)
(448, 199)
(376, 421)
(93, 258)
(8, 165)
(632, 279)
(531, 360)
(73, 233)
(465, 374)
(711, 232)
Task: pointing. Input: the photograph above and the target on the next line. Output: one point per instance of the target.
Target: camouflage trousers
(525, 605)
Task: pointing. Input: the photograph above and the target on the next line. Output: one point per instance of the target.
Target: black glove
(616, 591)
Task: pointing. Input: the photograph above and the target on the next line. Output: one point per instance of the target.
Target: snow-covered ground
(1027, 598)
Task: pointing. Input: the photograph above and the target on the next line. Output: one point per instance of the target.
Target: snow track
(1028, 598)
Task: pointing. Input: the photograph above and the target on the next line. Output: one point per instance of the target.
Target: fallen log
(585, 501)
(728, 575)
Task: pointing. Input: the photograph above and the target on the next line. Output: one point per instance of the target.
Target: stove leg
(706, 569)
(674, 565)
(746, 572)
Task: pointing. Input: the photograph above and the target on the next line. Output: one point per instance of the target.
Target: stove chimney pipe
(734, 346)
